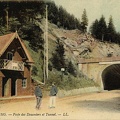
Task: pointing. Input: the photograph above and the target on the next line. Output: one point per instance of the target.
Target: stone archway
(111, 77)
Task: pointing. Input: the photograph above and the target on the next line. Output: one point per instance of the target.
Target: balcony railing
(11, 65)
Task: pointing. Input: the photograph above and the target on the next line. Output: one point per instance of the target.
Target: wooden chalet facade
(15, 66)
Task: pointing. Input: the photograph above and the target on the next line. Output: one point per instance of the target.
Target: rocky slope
(78, 45)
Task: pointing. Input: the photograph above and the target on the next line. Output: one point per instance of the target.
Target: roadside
(90, 106)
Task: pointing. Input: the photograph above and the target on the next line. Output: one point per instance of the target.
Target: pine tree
(111, 30)
(61, 16)
(102, 27)
(94, 28)
(52, 12)
(71, 69)
(14, 24)
(84, 21)
(36, 41)
(58, 59)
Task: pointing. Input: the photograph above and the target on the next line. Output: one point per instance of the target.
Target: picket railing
(11, 65)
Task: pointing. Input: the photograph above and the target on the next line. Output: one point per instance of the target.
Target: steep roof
(6, 40)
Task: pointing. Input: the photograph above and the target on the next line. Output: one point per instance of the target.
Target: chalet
(15, 66)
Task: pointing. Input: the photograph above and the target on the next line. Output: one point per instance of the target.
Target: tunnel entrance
(111, 77)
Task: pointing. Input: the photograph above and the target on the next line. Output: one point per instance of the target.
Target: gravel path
(92, 106)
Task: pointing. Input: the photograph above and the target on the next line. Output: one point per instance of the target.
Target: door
(13, 86)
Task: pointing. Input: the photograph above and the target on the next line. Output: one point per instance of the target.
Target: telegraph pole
(44, 65)
(46, 42)
(46, 48)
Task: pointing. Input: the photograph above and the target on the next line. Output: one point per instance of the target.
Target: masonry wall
(22, 91)
(93, 71)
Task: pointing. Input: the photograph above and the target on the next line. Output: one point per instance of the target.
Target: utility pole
(46, 42)
(44, 65)
(46, 48)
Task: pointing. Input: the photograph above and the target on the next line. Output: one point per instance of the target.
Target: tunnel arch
(111, 77)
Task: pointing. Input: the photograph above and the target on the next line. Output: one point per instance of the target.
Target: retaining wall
(63, 93)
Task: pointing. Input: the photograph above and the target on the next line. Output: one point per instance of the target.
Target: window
(9, 56)
(24, 83)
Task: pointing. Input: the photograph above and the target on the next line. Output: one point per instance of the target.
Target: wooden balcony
(11, 65)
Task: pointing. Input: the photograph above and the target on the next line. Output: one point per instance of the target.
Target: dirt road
(91, 106)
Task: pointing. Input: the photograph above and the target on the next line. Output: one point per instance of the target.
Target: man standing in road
(38, 94)
(53, 93)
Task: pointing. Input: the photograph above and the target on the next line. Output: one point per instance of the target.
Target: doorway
(5, 87)
(13, 86)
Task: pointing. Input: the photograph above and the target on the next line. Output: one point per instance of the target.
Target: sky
(94, 8)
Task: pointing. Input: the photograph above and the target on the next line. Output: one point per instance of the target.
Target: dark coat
(38, 92)
(53, 91)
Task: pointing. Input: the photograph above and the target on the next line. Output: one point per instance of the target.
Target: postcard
(59, 60)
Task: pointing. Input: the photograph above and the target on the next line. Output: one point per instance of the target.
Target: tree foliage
(21, 13)
(100, 30)
(71, 69)
(84, 22)
(58, 59)
(21, 17)
(94, 28)
(111, 30)
(60, 17)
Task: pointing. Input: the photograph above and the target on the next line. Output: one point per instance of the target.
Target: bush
(34, 71)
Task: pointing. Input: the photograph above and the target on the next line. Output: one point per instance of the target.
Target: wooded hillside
(68, 39)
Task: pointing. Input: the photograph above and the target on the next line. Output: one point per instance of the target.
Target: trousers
(38, 102)
(52, 101)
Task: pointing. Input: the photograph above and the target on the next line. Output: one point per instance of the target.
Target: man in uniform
(53, 93)
(38, 94)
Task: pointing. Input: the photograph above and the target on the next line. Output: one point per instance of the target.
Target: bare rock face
(81, 45)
